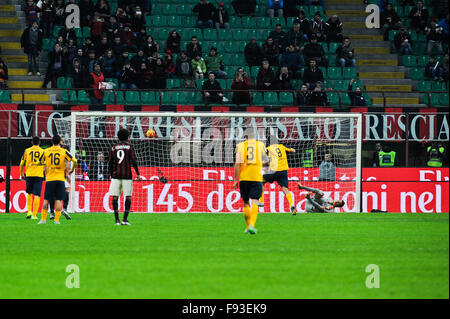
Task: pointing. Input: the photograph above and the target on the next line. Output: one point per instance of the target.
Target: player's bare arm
(21, 166)
(237, 169)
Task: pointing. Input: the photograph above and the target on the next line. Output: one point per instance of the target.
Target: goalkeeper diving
(317, 203)
(278, 170)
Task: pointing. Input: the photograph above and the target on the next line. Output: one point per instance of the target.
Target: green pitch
(209, 256)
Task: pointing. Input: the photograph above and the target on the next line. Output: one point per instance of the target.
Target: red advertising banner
(210, 190)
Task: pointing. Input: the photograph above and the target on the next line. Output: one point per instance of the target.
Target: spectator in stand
(183, 68)
(389, 20)
(92, 61)
(327, 170)
(356, 97)
(435, 37)
(96, 25)
(194, 48)
(265, 80)
(88, 46)
(102, 9)
(271, 52)
(317, 27)
(79, 74)
(418, 16)
(138, 19)
(253, 53)
(214, 64)
(98, 169)
(444, 24)
(112, 29)
(283, 79)
(279, 37)
(295, 37)
(60, 41)
(376, 155)
(403, 43)
(127, 78)
(31, 13)
(141, 38)
(445, 69)
(312, 75)
(198, 67)
(122, 17)
(244, 7)
(102, 46)
(3, 74)
(81, 57)
(169, 66)
(60, 14)
(117, 46)
(55, 66)
(128, 38)
(108, 64)
(67, 33)
(173, 42)
(145, 77)
(318, 96)
(221, 18)
(150, 46)
(293, 61)
(205, 11)
(241, 87)
(333, 29)
(86, 10)
(211, 90)
(31, 42)
(47, 17)
(96, 76)
(139, 58)
(383, 5)
(303, 97)
(433, 70)
(305, 24)
(120, 62)
(345, 54)
(314, 50)
(70, 52)
(159, 76)
(275, 6)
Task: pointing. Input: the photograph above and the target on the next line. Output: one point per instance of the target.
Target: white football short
(118, 186)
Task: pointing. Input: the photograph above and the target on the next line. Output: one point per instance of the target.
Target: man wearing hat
(221, 18)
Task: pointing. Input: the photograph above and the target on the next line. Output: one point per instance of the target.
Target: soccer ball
(150, 133)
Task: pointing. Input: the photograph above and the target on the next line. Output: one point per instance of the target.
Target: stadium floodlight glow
(187, 164)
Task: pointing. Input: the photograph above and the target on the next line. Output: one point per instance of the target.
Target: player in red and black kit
(121, 158)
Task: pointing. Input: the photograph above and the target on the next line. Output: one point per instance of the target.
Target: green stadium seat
(156, 9)
(46, 44)
(304, 8)
(264, 35)
(72, 94)
(166, 98)
(349, 73)
(86, 32)
(83, 98)
(392, 34)
(399, 10)
(418, 48)
(209, 34)
(254, 71)
(278, 20)
(297, 84)
(263, 23)
(78, 32)
(190, 22)
(438, 86)
(257, 98)
(339, 85)
(120, 99)
(197, 32)
(223, 83)
(235, 22)
(162, 34)
(254, 34)
(443, 99)
(333, 98)
(345, 99)
(226, 35)
(230, 71)
(217, 44)
(132, 97)
(417, 74)
(194, 97)
(239, 35)
(148, 98)
(270, 98)
(169, 9)
(173, 83)
(178, 98)
(174, 21)
(237, 59)
(231, 46)
(286, 98)
(113, 80)
(333, 47)
(368, 99)
(424, 86)
(184, 9)
(314, 9)
(434, 101)
(56, 30)
(4, 96)
(148, 21)
(325, 47)
(64, 82)
(334, 73)
(248, 22)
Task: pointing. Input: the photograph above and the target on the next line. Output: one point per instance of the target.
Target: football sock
(29, 202)
(66, 201)
(44, 214)
(289, 199)
(52, 205)
(247, 215)
(253, 214)
(116, 208)
(36, 202)
(127, 208)
(57, 215)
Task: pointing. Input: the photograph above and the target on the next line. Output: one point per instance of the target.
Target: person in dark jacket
(86, 10)
(193, 48)
(31, 42)
(283, 79)
(419, 16)
(138, 19)
(205, 11)
(356, 97)
(47, 17)
(211, 90)
(253, 53)
(244, 7)
(318, 96)
(403, 43)
(305, 24)
(389, 20)
(159, 77)
(312, 75)
(102, 47)
(173, 42)
(79, 75)
(150, 46)
(293, 61)
(333, 29)
(345, 54)
(433, 70)
(241, 84)
(55, 66)
(139, 58)
(265, 80)
(221, 18)
(127, 78)
(183, 67)
(3, 74)
(314, 50)
(271, 52)
(295, 37)
(108, 64)
(279, 37)
(68, 33)
(145, 77)
(112, 29)
(303, 97)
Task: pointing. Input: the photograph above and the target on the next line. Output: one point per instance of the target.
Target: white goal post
(188, 166)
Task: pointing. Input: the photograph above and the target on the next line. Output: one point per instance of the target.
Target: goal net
(188, 166)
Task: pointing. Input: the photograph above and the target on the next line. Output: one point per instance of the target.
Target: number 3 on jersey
(250, 153)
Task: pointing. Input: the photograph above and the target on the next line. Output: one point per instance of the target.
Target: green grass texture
(203, 256)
